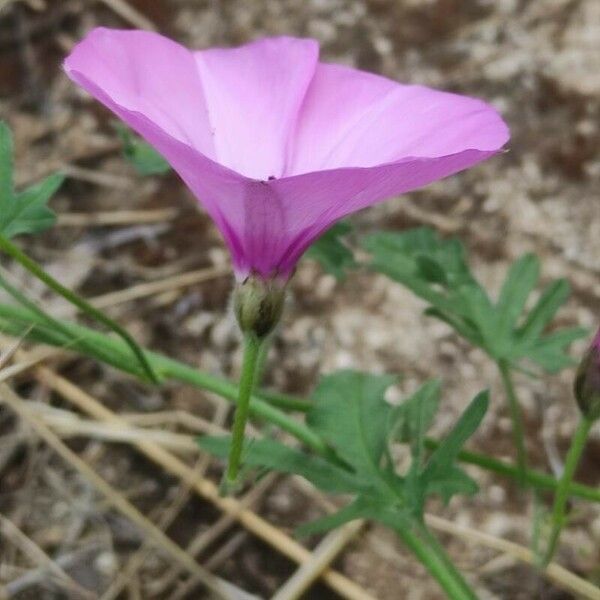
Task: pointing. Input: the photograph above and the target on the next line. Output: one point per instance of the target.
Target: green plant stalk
(15, 253)
(252, 346)
(49, 322)
(562, 493)
(286, 401)
(430, 553)
(517, 422)
(537, 479)
(261, 361)
(15, 321)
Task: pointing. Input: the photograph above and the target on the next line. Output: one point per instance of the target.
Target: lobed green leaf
(332, 253)
(436, 270)
(144, 158)
(27, 211)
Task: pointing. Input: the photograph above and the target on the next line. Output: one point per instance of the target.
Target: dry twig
(10, 531)
(130, 15)
(559, 575)
(221, 588)
(205, 488)
(323, 555)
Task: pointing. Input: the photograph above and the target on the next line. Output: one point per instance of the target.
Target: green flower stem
(15, 253)
(16, 321)
(286, 401)
(431, 554)
(252, 345)
(261, 361)
(539, 480)
(562, 493)
(517, 422)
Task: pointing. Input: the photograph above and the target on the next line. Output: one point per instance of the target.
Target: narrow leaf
(445, 455)
(451, 482)
(521, 279)
(6, 164)
(350, 512)
(465, 328)
(28, 212)
(553, 297)
(144, 158)
(410, 421)
(277, 457)
(550, 351)
(331, 252)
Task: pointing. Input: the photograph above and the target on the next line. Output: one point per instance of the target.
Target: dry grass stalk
(207, 537)
(11, 532)
(323, 555)
(98, 177)
(39, 575)
(130, 15)
(205, 488)
(143, 290)
(559, 575)
(221, 588)
(67, 424)
(165, 520)
(556, 573)
(120, 217)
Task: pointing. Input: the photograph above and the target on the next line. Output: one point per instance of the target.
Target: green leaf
(350, 512)
(477, 312)
(440, 475)
(410, 421)
(462, 326)
(431, 270)
(436, 270)
(6, 163)
(553, 297)
(351, 414)
(27, 211)
(331, 252)
(277, 457)
(421, 252)
(446, 453)
(520, 281)
(549, 351)
(453, 481)
(144, 158)
(363, 507)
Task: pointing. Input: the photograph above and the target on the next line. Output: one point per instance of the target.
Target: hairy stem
(429, 551)
(562, 493)
(252, 346)
(517, 422)
(15, 253)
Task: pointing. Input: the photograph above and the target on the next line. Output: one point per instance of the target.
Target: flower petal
(312, 202)
(222, 116)
(111, 65)
(149, 74)
(355, 119)
(253, 95)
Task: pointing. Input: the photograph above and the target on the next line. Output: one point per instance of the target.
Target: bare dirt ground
(538, 61)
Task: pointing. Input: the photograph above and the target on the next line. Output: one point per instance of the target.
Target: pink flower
(276, 145)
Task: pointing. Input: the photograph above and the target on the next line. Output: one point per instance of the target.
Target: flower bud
(587, 381)
(258, 304)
